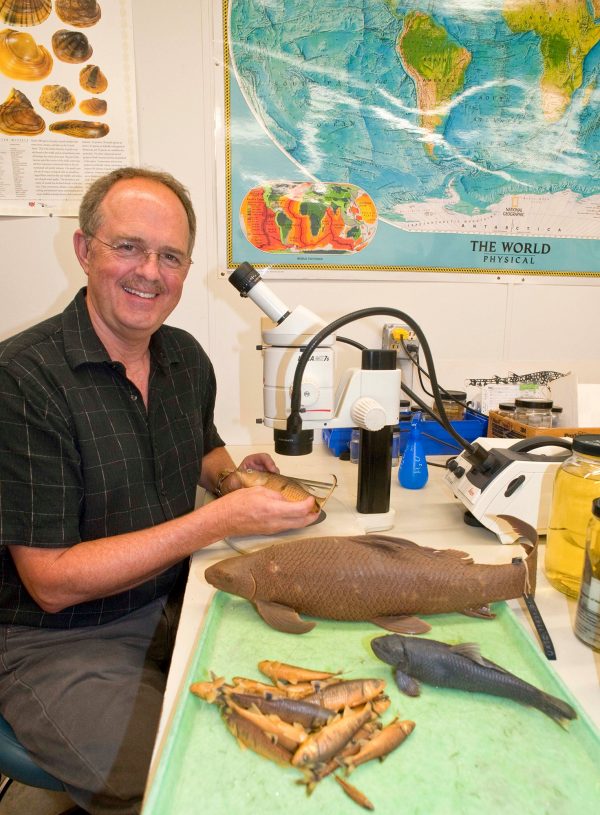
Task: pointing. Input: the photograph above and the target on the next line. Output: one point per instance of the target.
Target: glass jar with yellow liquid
(576, 485)
(587, 619)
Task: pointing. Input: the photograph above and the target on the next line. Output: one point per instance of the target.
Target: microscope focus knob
(309, 393)
(367, 413)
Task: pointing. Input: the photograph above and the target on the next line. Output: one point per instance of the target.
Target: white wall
(477, 326)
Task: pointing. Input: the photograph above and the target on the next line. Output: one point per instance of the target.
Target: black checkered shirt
(81, 459)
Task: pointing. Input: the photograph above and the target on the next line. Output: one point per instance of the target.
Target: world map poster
(432, 135)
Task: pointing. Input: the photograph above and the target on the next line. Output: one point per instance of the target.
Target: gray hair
(89, 210)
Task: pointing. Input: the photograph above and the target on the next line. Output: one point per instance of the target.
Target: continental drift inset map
(476, 117)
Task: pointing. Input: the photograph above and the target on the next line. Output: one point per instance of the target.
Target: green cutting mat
(469, 753)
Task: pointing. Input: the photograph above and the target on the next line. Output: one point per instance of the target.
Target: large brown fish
(377, 578)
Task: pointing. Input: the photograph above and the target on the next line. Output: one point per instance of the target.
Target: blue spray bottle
(412, 472)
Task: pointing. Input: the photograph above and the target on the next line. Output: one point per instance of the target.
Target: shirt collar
(83, 346)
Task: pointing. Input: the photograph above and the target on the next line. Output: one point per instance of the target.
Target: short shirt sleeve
(41, 489)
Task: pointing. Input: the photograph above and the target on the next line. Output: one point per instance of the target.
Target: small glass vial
(534, 411)
(454, 411)
(354, 445)
(556, 416)
(396, 447)
(405, 411)
(576, 485)
(587, 619)
(506, 409)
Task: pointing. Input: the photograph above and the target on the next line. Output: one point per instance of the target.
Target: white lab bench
(430, 517)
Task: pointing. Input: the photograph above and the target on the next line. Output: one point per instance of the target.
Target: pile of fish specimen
(462, 667)
(312, 720)
(374, 578)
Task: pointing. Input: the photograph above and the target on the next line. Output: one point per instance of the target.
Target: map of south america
(436, 64)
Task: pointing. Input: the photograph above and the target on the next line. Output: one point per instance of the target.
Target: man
(106, 428)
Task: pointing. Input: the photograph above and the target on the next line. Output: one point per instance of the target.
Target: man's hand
(259, 461)
(261, 511)
(255, 461)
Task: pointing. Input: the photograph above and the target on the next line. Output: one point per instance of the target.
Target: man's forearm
(58, 578)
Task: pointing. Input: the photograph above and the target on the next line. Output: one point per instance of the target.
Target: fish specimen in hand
(374, 578)
(461, 667)
(292, 489)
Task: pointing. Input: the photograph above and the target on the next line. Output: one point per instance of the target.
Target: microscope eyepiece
(244, 278)
(250, 284)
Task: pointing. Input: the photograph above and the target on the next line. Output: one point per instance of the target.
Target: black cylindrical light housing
(375, 457)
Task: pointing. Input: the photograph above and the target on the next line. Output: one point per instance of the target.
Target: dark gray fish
(461, 667)
(290, 710)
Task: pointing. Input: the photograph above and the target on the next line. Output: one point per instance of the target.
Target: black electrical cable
(415, 361)
(294, 421)
(356, 344)
(417, 399)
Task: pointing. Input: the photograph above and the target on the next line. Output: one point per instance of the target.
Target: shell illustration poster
(430, 135)
(67, 100)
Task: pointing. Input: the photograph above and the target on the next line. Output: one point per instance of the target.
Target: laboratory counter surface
(430, 517)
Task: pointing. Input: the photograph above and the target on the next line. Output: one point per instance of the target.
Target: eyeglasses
(134, 253)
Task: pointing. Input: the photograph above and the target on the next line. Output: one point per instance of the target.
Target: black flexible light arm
(294, 421)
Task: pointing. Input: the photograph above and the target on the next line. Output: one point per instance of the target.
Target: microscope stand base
(376, 522)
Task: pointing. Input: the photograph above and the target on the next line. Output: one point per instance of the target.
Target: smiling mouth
(146, 295)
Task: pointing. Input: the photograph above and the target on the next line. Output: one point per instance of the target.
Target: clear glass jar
(506, 409)
(454, 411)
(534, 411)
(576, 485)
(587, 619)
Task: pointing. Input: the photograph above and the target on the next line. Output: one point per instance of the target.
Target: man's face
(129, 300)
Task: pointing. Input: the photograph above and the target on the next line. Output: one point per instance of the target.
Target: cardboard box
(504, 427)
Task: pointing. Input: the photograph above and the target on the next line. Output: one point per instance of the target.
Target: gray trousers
(85, 702)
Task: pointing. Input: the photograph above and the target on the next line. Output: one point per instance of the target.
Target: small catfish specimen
(373, 578)
(250, 735)
(381, 743)
(282, 672)
(461, 667)
(329, 740)
(292, 489)
(307, 714)
(347, 693)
